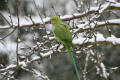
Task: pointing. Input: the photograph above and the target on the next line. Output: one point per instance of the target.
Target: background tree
(28, 50)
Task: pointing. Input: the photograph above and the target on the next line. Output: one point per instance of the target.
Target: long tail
(73, 61)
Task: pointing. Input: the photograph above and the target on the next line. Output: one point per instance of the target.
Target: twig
(5, 19)
(8, 34)
(17, 12)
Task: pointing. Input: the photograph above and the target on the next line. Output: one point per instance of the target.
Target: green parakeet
(62, 34)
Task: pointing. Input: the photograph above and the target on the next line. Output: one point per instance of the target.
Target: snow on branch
(96, 24)
(100, 39)
(36, 21)
(24, 65)
(10, 67)
(82, 41)
(101, 69)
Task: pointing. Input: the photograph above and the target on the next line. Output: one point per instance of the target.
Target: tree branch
(93, 10)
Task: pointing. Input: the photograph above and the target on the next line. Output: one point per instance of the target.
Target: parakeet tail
(73, 61)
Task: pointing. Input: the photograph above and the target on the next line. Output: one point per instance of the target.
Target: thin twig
(17, 13)
(5, 19)
(8, 34)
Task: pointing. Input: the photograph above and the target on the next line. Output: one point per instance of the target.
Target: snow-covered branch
(101, 70)
(100, 39)
(96, 24)
(36, 21)
(37, 43)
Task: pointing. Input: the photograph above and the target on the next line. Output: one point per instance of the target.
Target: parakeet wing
(62, 33)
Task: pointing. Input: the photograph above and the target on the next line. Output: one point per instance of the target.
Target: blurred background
(58, 66)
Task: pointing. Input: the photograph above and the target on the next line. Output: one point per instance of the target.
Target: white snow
(37, 19)
(46, 54)
(103, 7)
(113, 39)
(99, 37)
(37, 72)
(105, 74)
(66, 16)
(35, 58)
(51, 38)
(46, 19)
(93, 25)
(11, 66)
(23, 64)
(113, 1)
(10, 46)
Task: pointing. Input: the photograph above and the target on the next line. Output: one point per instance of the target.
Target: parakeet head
(55, 19)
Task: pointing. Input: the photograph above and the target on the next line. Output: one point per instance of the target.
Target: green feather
(73, 61)
(62, 34)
